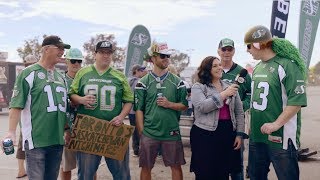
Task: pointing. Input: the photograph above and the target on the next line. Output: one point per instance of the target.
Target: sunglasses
(249, 46)
(163, 56)
(73, 61)
(224, 49)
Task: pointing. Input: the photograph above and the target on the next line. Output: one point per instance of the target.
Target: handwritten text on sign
(96, 136)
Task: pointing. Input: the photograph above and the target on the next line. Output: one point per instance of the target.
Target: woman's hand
(237, 143)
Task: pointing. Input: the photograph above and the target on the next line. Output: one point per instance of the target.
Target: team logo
(310, 7)
(105, 44)
(15, 93)
(271, 69)
(41, 75)
(139, 39)
(258, 34)
(300, 89)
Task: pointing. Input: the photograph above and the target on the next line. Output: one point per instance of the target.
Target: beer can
(8, 147)
(159, 95)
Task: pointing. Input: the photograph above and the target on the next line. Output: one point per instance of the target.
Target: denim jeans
(239, 175)
(88, 165)
(44, 162)
(285, 162)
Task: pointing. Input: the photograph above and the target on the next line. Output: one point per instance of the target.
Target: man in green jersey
(102, 92)
(231, 70)
(40, 99)
(278, 93)
(159, 98)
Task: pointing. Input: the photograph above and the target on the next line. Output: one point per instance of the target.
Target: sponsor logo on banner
(139, 39)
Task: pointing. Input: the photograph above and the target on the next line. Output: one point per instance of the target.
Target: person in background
(217, 128)
(226, 51)
(278, 93)
(39, 100)
(97, 78)
(138, 72)
(74, 59)
(159, 98)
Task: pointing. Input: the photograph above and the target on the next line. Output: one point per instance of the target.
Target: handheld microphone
(238, 80)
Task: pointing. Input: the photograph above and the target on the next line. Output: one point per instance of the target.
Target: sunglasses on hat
(224, 49)
(163, 56)
(73, 61)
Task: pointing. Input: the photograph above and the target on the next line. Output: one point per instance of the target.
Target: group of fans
(45, 102)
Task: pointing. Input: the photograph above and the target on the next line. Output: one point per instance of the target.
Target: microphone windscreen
(243, 73)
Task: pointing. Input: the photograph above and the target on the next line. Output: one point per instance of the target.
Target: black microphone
(238, 80)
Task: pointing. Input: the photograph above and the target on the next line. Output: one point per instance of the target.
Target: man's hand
(268, 128)
(117, 121)
(10, 135)
(88, 100)
(67, 137)
(163, 101)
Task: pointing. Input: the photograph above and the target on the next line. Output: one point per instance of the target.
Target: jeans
(88, 165)
(239, 175)
(285, 162)
(44, 162)
(135, 136)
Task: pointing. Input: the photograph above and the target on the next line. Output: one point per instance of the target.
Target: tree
(31, 46)
(89, 46)
(180, 60)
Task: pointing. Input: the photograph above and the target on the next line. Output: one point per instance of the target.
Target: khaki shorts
(68, 161)
(172, 152)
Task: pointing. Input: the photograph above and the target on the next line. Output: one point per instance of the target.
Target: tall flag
(139, 42)
(279, 18)
(309, 20)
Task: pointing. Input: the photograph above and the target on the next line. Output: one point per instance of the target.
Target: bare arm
(139, 121)
(14, 118)
(283, 118)
(86, 100)
(164, 102)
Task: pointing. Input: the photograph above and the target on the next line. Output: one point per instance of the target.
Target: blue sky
(191, 26)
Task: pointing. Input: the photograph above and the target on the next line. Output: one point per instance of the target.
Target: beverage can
(159, 95)
(8, 147)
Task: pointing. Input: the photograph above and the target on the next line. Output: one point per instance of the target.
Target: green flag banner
(139, 42)
(309, 20)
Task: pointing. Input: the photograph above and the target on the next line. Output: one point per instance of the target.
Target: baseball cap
(226, 42)
(159, 48)
(74, 53)
(104, 45)
(54, 40)
(137, 67)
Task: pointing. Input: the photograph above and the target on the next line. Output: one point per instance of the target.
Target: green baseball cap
(226, 42)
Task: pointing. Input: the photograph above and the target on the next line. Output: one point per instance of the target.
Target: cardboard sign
(100, 137)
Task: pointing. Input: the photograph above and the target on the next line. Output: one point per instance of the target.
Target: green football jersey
(110, 88)
(245, 87)
(160, 123)
(42, 96)
(71, 111)
(276, 84)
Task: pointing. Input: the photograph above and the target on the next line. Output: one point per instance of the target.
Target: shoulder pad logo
(41, 75)
(300, 89)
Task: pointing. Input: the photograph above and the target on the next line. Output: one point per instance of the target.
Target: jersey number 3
(264, 91)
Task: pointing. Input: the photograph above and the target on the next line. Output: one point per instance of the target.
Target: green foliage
(180, 60)
(89, 46)
(31, 46)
